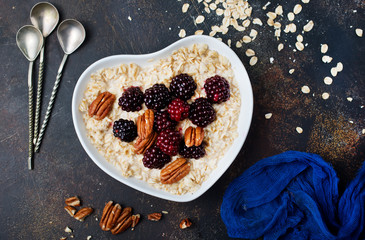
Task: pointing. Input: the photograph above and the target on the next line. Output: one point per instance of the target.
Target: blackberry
(157, 97)
(192, 152)
(125, 130)
(201, 112)
(131, 99)
(183, 86)
(162, 121)
(178, 109)
(168, 141)
(217, 89)
(155, 158)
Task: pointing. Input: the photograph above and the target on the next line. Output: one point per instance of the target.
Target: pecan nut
(70, 210)
(83, 213)
(142, 145)
(145, 124)
(154, 217)
(135, 220)
(185, 223)
(113, 217)
(73, 201)
(175, 171)
(102, 105)
(105, 216)
(124, 221)
(193, 136)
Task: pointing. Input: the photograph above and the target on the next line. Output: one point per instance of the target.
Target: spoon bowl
(45, 17)
(71, 34)
(30, 41)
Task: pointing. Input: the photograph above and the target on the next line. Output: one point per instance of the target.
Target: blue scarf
(294, 195)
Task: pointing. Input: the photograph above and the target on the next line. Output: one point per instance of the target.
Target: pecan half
(135, 220)
(102, 105)
(105, 216)
(145, 124)
(70, 210)
(124, 221)
(73, 201)
(113, 217)
(185, 223)
(83, 213)
(175, 171)
(193, 136)
(142, 145)
(154, 217)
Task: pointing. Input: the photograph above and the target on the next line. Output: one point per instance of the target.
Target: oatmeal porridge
(200, 63)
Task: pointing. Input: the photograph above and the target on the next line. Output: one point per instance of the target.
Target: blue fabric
(294, 195)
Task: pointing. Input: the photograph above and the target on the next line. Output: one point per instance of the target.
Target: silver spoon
(30, 41)
(71, 34)
(45, 17)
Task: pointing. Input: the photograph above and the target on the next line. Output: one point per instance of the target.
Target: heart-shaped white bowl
(142, 60)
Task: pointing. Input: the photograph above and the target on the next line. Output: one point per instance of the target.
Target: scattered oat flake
(229, 41)
(339, 66)
(324, 48)
(325, 95)
(165, 212)
(334, 71)
(268, 115)
(349, 99)
(363, 131)
(308, 26)
(351, 121)
(326, 59)
(300, 38)
(63, 238)
(250, 52)
(257, 21)
(271, 60)
(129, 18)
(219, 11)
(299, 130)
(246, 39)
(305, 89)
(291, 71)
(199, 19)
(246, 23)
(271, 15)
(291, 16)
(305, 1)
(238, 44)
(182, 33)
(292, 27)
(199, 32)
(68, 230)
(88, 238)
(280, 47)
(358, 32)
(327, 80)
(299, 46)
(185, 7)
(279, 10)
(253, 60)
(297, 9)
(253, 33)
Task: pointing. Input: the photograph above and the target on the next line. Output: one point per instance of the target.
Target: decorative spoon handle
(30, 91)
(51, 102)
(39, 96)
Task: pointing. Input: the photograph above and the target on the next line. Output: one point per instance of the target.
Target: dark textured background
(31, 202)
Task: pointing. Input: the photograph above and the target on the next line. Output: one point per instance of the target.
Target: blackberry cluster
(201, 112)
(168, 141)
(155, 158)
(192, 152)
(162, 121)
(131, 99)
(183, 86)
(157, 97)
(217, 89)
(178, 109)
(125, 130)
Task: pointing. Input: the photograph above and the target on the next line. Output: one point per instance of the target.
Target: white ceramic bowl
(142, 60)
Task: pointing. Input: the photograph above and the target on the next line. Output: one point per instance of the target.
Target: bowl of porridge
(167, 147)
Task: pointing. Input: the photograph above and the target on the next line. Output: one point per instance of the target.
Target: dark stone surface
(31, 202)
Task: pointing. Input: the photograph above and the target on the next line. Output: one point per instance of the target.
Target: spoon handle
(50, 104)
(30, 91)
(39, 95)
